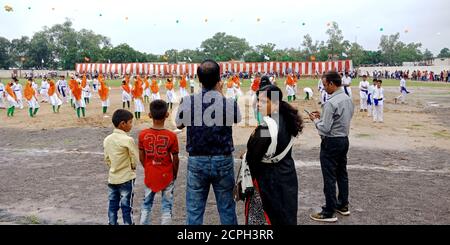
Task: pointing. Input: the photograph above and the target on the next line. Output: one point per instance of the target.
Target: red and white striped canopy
(303, 68)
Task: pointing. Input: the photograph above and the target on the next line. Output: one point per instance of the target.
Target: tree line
(61, 46)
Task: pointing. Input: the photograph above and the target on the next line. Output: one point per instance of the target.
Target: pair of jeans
(166, 205)
(333, 162)
(121, 196)
(204, 171)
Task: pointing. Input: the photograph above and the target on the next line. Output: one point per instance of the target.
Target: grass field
(303, 82)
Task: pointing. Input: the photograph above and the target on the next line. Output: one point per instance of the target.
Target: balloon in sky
(406, 30)
(258, 19)
(29, 7)
(303, 23)
(206, 19)
(100, 15)
(381, 29)
(8, 8)
(328, 24)
(178, 21)
(126, 18)
(53, 9)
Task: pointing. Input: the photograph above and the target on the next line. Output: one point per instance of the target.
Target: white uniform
(403, 90)
(138, 105)
(125, 96)
(17, 87)
(146, 90)
(44, 91)
(2, 95)
(11, 101)
(347, 82)
(370, 105)
(61, 85)
(33, 103)
(363, 94)
(290, 90)
(309, 92)
(55, 100)
(95, 85)
(322, 91)
(378, 95)
(80, 103)
(86, 92)
(171, 97)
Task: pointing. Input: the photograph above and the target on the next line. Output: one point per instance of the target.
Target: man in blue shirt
(209, 117)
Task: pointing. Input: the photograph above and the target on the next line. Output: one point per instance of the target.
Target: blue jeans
(166, 205)
(204, 171)
(121, 196)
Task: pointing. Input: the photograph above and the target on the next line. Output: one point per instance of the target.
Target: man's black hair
(333, 77)
(208, 74)
(158, 109)
(121, 115)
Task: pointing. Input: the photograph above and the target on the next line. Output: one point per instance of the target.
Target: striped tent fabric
(303, 68)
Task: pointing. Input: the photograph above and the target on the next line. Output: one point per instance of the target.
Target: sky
(156, 26)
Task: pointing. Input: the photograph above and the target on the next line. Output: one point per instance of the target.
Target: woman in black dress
(269, 157)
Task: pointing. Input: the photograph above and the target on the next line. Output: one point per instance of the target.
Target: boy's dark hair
(121, 115)
(333, 77)
(158, 109)
(374, 80)
(208, 73)
(380, 81)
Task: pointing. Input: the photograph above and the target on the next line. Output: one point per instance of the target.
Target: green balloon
(177, 21)
(381, 29)
(303, 23)
(29, 7)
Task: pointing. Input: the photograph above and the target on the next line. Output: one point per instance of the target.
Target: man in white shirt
(363, 93)
(378, 98)
(346, 83)
(403, 91)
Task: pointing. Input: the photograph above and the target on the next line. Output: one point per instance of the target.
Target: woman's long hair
(294, 122)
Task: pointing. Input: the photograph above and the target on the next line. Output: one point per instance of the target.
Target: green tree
(445, 53)
(222, 47)
(172, 55)
(41, 50)
(356, 54)
(427, 55)
(5, 61)
(335, 43)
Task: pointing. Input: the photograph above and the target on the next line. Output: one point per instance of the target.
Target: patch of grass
(442, 134)
(32, 219)
(417, 125)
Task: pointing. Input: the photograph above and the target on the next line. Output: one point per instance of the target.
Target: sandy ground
(52, 170)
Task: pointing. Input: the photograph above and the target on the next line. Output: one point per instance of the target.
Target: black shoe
(322, 217)
(343, 210)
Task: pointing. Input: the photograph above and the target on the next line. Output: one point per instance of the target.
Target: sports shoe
(343, 210)
(322, 217)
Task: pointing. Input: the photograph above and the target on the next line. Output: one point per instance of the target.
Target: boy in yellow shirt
(121, 156)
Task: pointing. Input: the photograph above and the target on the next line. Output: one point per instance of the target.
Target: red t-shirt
(158, 146)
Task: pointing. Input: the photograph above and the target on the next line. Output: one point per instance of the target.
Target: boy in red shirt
(158, 152)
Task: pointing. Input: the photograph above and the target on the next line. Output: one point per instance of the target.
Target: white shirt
(403, 83)
(17, 87)
(371, 89)
(308, 90)
(44, 85)
(192, 82)
(346, 81)
(364, 85)
(378, 93)
(320, 85)
(2, 88)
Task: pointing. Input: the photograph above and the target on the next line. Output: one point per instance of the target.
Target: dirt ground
(52, 169)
